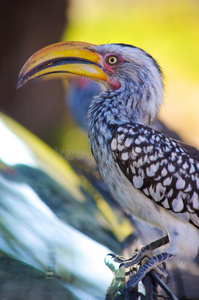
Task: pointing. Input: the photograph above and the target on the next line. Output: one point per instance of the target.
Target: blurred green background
(168, 30)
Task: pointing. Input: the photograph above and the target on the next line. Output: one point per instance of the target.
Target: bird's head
(119, 67)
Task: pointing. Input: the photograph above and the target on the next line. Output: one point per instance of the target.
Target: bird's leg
(143, 251)
(137, 257)
(152, 263)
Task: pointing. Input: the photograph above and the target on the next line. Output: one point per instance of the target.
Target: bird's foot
(151, 263)
(138, 256)
(134, 269)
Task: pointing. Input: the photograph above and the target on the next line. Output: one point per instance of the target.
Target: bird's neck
(111, 109)
(127, 104)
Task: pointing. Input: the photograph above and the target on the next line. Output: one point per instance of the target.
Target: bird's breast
(132, 200)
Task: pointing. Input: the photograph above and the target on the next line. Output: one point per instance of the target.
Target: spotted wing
(160, 167)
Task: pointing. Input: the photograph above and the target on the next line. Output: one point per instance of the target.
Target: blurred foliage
(169, 30)
(49, 217)
(72, 196)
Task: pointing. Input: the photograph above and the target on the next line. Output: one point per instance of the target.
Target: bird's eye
(112, 60)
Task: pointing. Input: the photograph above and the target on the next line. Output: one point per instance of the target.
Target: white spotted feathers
(159, 167)
(153, 177)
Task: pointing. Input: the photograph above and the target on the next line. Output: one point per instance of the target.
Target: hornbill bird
(155, 178)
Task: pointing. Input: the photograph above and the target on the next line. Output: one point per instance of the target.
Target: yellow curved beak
(66, 57)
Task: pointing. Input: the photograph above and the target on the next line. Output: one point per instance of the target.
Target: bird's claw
(151, 263)
(133, 260)
(116, 258)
